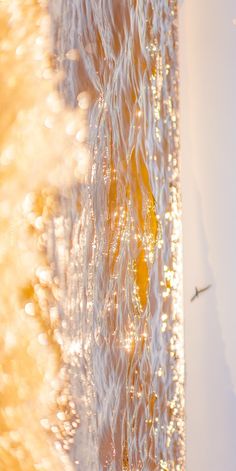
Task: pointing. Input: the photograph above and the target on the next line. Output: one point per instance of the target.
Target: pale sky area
(208, 159)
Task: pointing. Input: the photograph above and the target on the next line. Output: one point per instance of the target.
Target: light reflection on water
(122, 323)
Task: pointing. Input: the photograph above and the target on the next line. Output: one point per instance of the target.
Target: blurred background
(208, 115)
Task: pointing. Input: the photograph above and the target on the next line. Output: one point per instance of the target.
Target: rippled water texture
(117, 249)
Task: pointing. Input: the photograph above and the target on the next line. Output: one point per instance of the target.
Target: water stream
(117, 245)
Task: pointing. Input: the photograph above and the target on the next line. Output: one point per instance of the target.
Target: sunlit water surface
(117, 248)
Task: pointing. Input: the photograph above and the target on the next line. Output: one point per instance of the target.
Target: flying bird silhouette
(199, 291)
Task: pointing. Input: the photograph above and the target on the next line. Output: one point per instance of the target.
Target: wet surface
(120, 235)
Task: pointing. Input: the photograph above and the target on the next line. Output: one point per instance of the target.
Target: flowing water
(117, 247)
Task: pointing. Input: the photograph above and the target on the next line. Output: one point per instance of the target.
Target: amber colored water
(117, 248)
